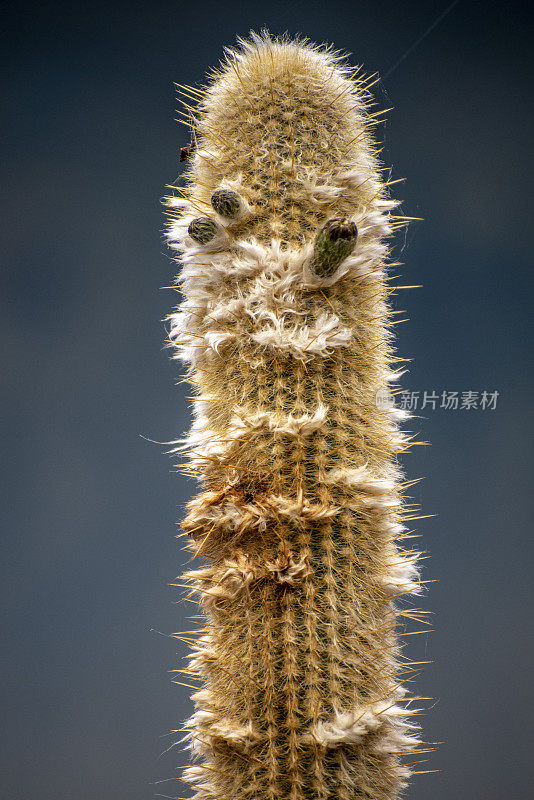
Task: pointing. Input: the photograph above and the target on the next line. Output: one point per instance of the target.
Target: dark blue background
(88, 547)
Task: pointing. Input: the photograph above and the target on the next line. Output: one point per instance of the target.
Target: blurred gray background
(88, 544)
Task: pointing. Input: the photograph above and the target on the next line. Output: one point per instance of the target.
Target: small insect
(187, 151)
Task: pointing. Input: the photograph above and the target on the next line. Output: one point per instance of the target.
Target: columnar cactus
(284, 324)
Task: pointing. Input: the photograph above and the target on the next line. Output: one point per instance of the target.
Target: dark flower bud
(226, 202)
(203, 229)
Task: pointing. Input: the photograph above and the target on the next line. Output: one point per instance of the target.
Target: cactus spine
(284, 326)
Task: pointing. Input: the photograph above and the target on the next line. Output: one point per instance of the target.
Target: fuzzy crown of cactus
(285, 328)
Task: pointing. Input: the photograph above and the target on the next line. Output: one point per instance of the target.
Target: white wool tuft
(353, 725)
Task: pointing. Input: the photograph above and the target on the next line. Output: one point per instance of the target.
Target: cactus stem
(302, 511)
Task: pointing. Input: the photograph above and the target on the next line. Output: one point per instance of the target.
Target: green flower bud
(334, 242)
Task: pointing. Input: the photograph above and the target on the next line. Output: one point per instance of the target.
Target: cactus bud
(334, 242)
(203, 230)
(226, 203)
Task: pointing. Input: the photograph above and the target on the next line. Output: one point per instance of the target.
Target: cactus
(285, 328)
